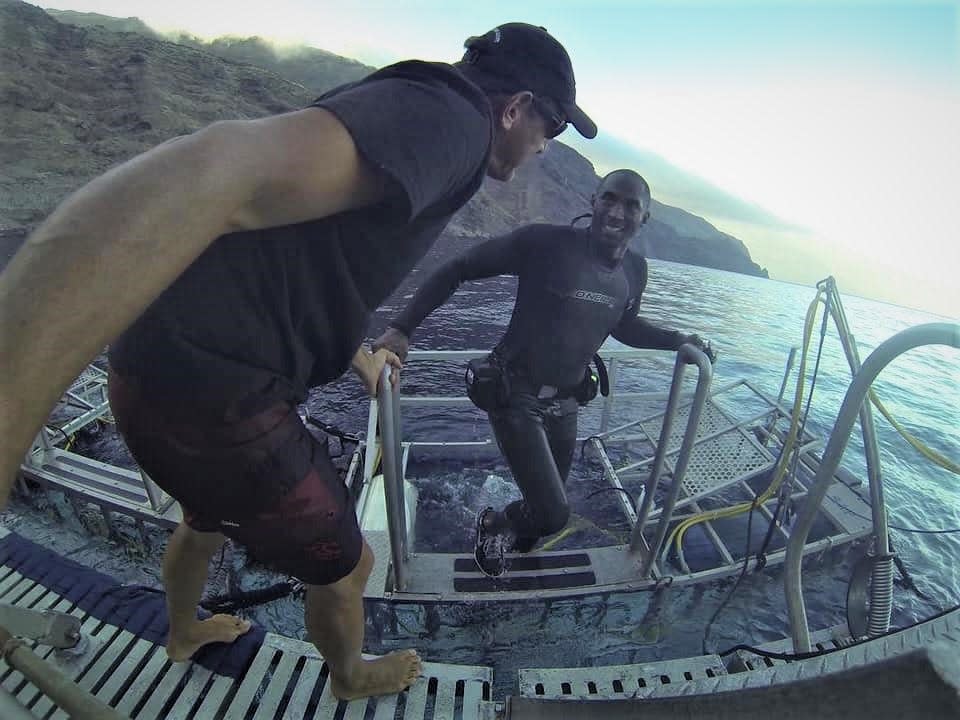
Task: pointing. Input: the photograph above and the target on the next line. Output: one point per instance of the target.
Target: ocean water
(753, 323)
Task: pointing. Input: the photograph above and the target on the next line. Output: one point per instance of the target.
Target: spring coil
(881, 596)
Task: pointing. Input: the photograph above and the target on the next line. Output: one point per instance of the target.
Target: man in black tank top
(239, 266)
(576, 287)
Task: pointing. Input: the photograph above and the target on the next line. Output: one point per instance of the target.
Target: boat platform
(675, 461)
(261, 676)
(120, 660)
(723, 444)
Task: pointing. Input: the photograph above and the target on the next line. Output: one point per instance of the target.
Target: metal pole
(783, 388)
(154, 494)
(881, 586)
(40, 449)
(393, 478)
(637, 540)
(686, 353)
(608, 401)
(398, 455)
(369, 453)
(886, 352)
(65, 693)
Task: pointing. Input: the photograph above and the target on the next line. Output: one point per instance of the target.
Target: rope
(743, 572)
(783, 501)
(583, 445)
(70, 439)
(614, 489)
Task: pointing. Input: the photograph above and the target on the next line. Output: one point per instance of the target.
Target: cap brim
(579, 119)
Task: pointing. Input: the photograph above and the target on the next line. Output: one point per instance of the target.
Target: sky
(825, 135)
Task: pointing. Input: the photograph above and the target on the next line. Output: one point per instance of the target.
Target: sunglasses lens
(555, 121)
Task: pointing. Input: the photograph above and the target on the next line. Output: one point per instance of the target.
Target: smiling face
(620, 207)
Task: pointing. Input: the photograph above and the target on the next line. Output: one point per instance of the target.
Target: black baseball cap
(527, 57)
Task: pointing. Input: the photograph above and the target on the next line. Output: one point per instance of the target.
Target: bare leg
(184, 575)
(334, 621)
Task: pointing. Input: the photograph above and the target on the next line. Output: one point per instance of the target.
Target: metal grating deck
(943, 631)
(722, 454)
(615, 681)
(829, 639)
(286, 679)
(700, 676)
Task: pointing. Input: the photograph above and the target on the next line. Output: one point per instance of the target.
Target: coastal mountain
(81, 92)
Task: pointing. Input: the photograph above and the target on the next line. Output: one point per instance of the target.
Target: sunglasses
(556, 121)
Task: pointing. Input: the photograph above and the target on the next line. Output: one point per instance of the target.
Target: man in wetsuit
(576, 287)
(248, 257)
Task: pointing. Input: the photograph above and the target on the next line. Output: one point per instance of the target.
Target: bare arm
(117, 243)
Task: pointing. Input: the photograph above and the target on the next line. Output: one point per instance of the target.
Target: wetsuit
(569, 299)
(206, 381)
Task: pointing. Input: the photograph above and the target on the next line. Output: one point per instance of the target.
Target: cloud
(672, 185)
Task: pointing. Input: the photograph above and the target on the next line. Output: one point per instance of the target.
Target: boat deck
(262, 676)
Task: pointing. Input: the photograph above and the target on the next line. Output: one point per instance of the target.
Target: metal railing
(612, 358)
(388, 399)
(385, 415)
(853, 404)
(881, 593)
(686, 354)
(64, 692)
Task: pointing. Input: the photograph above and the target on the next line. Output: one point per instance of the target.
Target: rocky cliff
(82, 93)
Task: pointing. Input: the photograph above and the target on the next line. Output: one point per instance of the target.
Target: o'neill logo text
(594, 297)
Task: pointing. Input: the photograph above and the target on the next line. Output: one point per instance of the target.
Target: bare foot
(217, 628)
(384, 676)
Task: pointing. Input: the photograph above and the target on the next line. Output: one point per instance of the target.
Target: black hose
(241, 600)
(827, 651)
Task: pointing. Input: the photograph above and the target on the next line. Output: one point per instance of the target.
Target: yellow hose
(577, 522)
(929, 453)
(780, 471)
(680, 530)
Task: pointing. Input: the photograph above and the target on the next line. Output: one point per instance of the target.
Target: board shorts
(263, 481)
